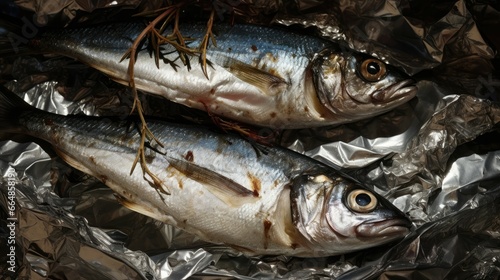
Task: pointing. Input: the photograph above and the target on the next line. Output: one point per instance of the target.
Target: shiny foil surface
(437, 158)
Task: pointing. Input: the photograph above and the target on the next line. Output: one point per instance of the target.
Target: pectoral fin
(143, 209)
(268, 83)
(224, 188)
(135, 207)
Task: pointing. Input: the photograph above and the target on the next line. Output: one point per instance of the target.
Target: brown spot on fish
(274, 72)
(149, 158)
(229, 49)
(189, 156)
(271, 57)
(181, 185)
(254, 48)
(306, 109)
(256, 184)
(273, 114)
(294, 246)
(170, 169)
(124, 138)
(212, 91)
(56, 138)
(221, 145)
(218, 150)
(48, 122)
(92, 159)
(103, 178)
(275, 183)
(127, 195)
(267, 236)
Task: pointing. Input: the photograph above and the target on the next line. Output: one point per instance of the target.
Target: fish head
(337, 215)
(357, 86)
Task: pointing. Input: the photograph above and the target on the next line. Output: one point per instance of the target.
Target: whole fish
(257, 75)
(221, 187)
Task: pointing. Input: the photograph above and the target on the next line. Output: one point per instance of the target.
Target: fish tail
(16, 34)
(11, 108)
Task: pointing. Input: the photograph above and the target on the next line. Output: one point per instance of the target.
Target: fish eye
(361, 201)
(372, 70)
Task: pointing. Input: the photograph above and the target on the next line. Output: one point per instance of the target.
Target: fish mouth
(386, 228)
(402, 90)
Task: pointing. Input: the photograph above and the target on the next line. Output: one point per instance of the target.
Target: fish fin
(146, 211)
(141, 208)
(224, 188)
(11, 108)
(268, 83)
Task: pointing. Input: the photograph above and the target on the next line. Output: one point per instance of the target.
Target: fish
(257, 75)
(219, 186)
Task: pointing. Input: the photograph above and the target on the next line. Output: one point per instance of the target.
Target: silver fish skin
(221, 187)
(257, 75)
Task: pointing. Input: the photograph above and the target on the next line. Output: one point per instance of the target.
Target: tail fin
(15, 34)
(11, 108)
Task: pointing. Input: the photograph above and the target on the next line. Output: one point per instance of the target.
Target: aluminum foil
(435, 158)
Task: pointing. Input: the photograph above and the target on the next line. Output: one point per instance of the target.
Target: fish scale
(225, 192)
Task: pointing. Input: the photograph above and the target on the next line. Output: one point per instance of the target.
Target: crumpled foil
(435, 158)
